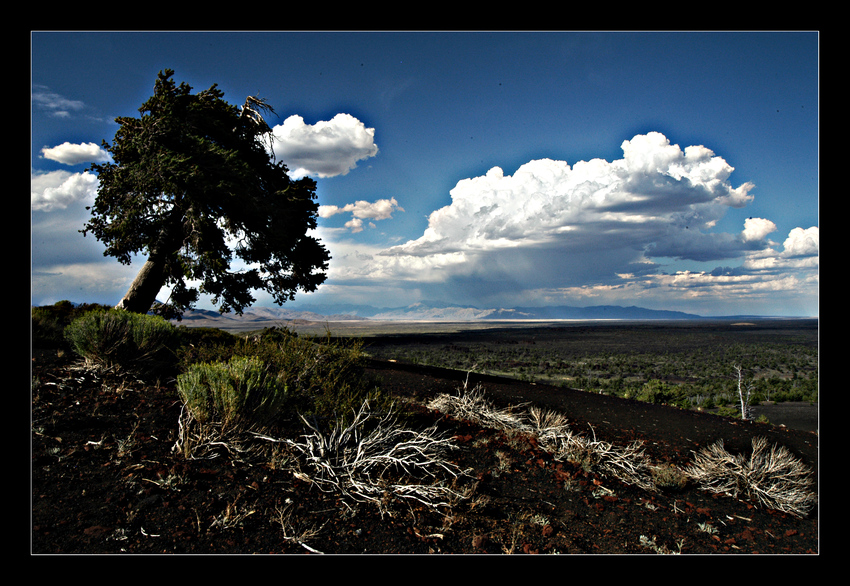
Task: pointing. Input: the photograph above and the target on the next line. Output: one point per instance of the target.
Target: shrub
(656, 391)
(324, 379)
(197, 345)
(378, 460)
(669, 476)
(471, 405)
(242, 392)
(770, 476)
(629, 464)
(260, 383)
(108, 338)
(48, 322)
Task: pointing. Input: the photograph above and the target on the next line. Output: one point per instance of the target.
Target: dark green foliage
(242, 392)
(198, 345)
(687, 365)
(131, 341)
(324, 379)
(657, 392)
(49, 322)
(190, 174)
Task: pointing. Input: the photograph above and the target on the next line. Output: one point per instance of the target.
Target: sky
(667, 170)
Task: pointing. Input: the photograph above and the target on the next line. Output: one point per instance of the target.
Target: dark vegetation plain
(107, 477)
(689, 364)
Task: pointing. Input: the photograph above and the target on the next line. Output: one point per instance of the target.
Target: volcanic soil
(105, 480)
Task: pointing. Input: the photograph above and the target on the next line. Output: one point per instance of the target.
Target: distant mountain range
(437, 311)
(440, 311)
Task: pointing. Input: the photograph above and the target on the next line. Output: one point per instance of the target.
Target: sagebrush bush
(324, 379)
(655, 391)
(377, 460)
(113, 337)
(242, 392)
(48, 322)
(197, 345)
(262, 384)
(669, 477)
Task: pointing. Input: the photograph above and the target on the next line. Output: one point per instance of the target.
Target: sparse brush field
(687, 364)
(152, 439)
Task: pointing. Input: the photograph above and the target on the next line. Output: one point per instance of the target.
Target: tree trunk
(145, 287)
(745, 397)
(151, 277)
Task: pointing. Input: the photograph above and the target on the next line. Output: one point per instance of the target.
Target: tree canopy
(193, 184)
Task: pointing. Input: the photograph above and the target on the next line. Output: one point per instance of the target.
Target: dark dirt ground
(105, 481)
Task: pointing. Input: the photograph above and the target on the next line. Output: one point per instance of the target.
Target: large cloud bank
(325, 149)
(594, 224)
(653, 197)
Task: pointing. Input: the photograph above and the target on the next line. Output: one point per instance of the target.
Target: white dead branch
(745, 393)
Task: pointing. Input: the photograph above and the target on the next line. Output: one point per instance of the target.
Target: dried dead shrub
(626, 463)
(771, 476)
(374, 459)
(471, 405)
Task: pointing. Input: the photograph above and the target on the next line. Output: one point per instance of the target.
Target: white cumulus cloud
(59, 189)
(592, 226)
(381, 209)
(325, 149)
(75, 154)
(378, 210)
(658, 196)
(802, 242)
(757, 228)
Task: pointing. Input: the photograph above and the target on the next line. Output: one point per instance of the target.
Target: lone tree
(193, 182)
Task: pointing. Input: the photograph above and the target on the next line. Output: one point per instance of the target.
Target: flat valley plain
(688, 363)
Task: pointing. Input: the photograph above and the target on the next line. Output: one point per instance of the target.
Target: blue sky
(674, 170)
